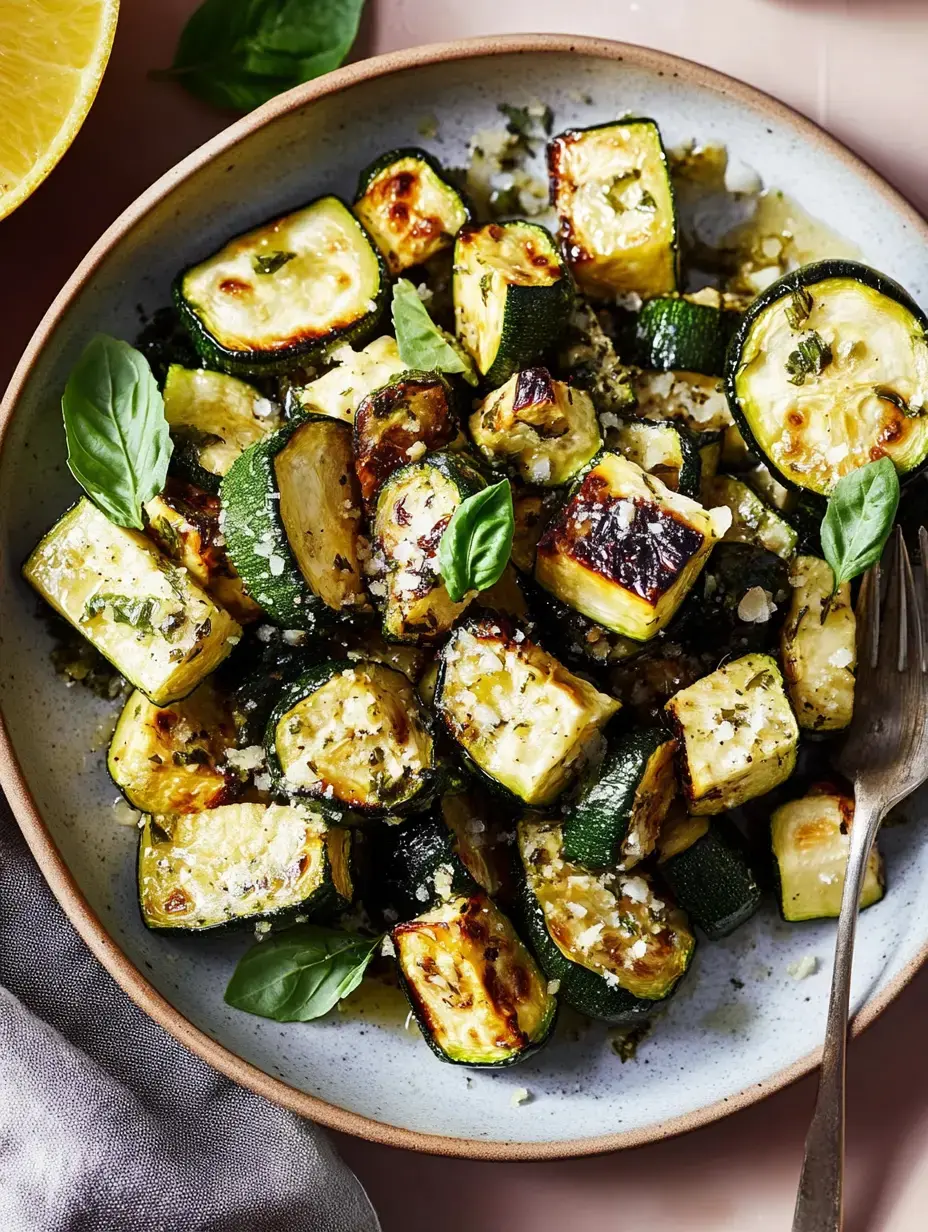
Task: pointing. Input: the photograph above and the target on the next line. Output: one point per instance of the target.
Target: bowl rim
(12, 778)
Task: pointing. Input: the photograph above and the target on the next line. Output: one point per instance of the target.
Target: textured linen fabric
(107, 1124)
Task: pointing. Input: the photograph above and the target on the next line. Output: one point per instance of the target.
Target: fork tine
(868, 622)
(916, 642)
(894, 625)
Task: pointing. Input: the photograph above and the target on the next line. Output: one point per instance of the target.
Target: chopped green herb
(271, 262)
(646, 202)
(798, 308)
(889, 395)
(811, 357)
(125, 610)
(485, 282)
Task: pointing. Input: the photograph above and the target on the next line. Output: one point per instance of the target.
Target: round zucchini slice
(354, 735)
(829, 371)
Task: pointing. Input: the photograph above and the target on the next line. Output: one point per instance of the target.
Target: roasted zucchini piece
(354, 735)
(828, 371)
(588, 359)
(737, 735)
(213, 418)
(611, 189)
(617, 814)
(523, 719)
(811, 842)
(477, 994)
(624, 550)
(752, 519)
(531, 511)
(707, 867)
(169, 759)
(512, 295)
(156, 626)
(285, 292)
(683, 334)
(542, 430)
(696, 401)
(819, 647)
(573, 636)
(408, 207)
(339, 392)
(292, 523)
(665, 450)
(738, 602)
(241, 863)
(424, 867)
(184, 521)
(398, 424)
(414, 507)
(614, 946)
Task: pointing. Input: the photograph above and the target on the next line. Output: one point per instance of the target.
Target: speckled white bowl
(719, 1045)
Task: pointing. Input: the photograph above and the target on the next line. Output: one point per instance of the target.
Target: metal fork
(886, 757)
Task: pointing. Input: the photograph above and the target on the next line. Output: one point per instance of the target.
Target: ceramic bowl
(741, 1024)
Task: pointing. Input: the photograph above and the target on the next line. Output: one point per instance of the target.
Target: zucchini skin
(673, 334)
(713, 880)
(419, 848)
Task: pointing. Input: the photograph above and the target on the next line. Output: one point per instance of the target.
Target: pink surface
(855, 66)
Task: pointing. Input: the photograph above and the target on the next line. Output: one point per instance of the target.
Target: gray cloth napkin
(108, 1125)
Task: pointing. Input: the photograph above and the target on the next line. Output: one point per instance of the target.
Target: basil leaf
(859, 518)
(118, 440)
(477, 542)
(299, 974)
(420, 342)
(240, 53)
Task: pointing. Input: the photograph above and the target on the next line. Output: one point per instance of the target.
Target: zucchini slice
(614, 946)
(292, 523)
(399, 423)
(512, 295)
(240, 863)
(624, 550)
(819, 647)
(424, 868)
(408, 207)
(353, 734)
(339, 392)
(662, 449)
(612, 192)
(543, 430)
(737, 735)
(284, 292)
(184, 521)
(738, 600)
(414, 507)
(829, 371)
(523, 719)
(811, 842)
(168, 759)
(477, 994)
(213, 418)
(616, 817)
(679, 333)
(156, 626)
(752, 519)
(707, 867)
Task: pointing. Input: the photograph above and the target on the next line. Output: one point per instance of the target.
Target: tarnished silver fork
(886, 757)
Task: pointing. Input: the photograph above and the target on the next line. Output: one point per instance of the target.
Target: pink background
(859, 68)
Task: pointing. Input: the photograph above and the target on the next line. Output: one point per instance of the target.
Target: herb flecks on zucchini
(737, 734)
(355, 374)
(829, 371)
(248, 311)
(819, 647)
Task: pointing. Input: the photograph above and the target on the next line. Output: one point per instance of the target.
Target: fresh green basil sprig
(118, 439)
(860, 515)
(300, 973)
(477, 542)
(421, 343)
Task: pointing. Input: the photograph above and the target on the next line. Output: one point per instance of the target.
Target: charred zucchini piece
(512, 295)
(169, 759)
(414, 507)
(477, 994)
(696, 401)
(682, 334)
(148, 617)
(522, 718)
(811, 842)
(739, 600)
(339, 392)
(541, 429)
(737, 735)
(707, 867)
(354, 735)
(662, 449)
(828, 371)
(617, 815)
(424, 868)
(612, 192)
(624, 550)
(292, 522)
(752, 519)
(611, 942)
(408, 207)
(398, 424)
(285, 292)
(819, 647)
(240, 863)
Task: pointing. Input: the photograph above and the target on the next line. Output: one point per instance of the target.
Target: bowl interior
(740, 1018)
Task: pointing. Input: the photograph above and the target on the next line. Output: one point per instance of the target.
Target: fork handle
(819, 1206)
